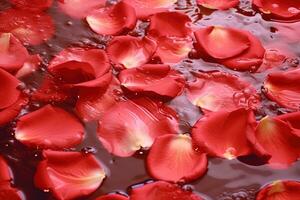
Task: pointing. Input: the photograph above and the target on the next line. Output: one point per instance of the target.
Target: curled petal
(272, 133)
(145, 8)
(32, 5)
(279, 9)
(205, 92)
(80, 8)
(130, 52)
(225, 134)
(161, 190)
(29, 27)
(12, 53)
(30, 66)
(218, 4)
(134, 124)
(8, 192)
(69, 175)
(49, 127)
(177, 151)
(158, 79)
(280, 190)
(283, 88)
(113, 197)
(293, 119)
(113, 20)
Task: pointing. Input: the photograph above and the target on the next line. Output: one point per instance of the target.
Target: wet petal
(283, 88)
(130, 52)
(80, 8)
(161, 191)
(69, 175)
(205, 92)
(113, 197)
(177, 151)
(225, 134)
(33, 5)
(30, 66)
(113, 20)
(218, 4)
(157, 79)
(28, 27)
(139, 122)
(49, 127)
(280, 190)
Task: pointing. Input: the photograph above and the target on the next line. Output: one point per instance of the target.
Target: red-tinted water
(225, 180)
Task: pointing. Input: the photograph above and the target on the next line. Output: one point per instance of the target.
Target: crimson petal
(161, 190)
(139, 122)
(49, 127)
(225, 134)
(159, 79)
(69, 175)
(177, 151)
(80, 8)
(12, 53)
(283, 88)
(205, 92)
(218, 4)
(130, 52)
(112, 197)
(280, 190)
(30, 65)
(33, 5)
(113, 20)
(28, 27)
(5, 172)
(145, 8)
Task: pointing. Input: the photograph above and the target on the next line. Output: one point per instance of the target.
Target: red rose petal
(162, 191)
(283, 88)
(28, 27)
(112, 197)
(12, 53)
(49, 127)
(272, 133)
(80, 8)
(293, 119)
(281, 9)
(7, 192)
(5, 173)
(158, 79)
(177, 151)
(130, 52)
(91, 107)
(225, 134)
(218, 4)
(139, 122)
(69, 175)
(33, 5)
(236, 49)
(280, 190)
(145, 8)
(205, 92)
(30, 65)
(113, 20)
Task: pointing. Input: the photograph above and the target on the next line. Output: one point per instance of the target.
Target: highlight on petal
(218, 4)
(5, 172)
(29, 27)
(154, 78)
(112, 197)
(205, 92)
(8, 192)
(113, 20)
(12, 53)
(283, 88)
(69, 175)
(80, 8)
(145, 8)
(278, 139)
(30, 66)
(279, 9)
(134, 124)
(131, 52)
(234, 48)
(32, 5)
(49, 127)
(225, 134)
(281, 189)
(161, 190)
(178, 151)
